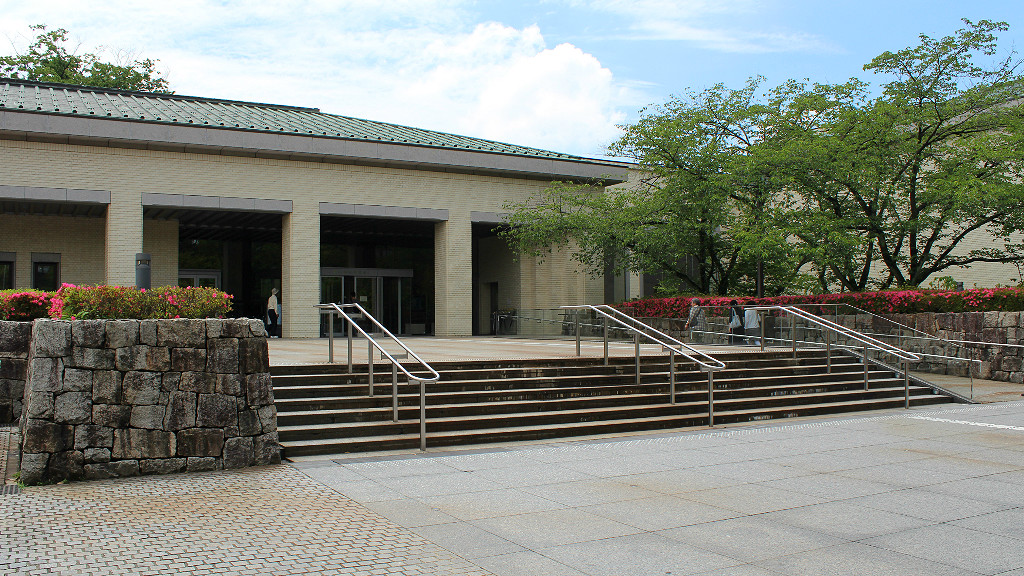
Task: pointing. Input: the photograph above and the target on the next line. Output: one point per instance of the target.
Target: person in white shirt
(752, 326)
(272, 306)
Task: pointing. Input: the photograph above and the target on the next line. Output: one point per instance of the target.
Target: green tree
(49, 59)
(704, 212)
(904, 178)
(869, 191)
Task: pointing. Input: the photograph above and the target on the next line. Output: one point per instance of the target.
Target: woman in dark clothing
(735, 323)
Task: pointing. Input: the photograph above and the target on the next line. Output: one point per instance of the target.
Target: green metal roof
(87, 101)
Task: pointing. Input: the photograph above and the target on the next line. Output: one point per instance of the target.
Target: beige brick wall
(127, 173)
(453, 276)
(78, 240)
(300, 271)
(160, 241)
(984, 274)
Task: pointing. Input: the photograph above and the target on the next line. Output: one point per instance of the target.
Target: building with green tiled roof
(249, 197)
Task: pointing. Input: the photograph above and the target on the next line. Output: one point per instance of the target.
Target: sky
(560, 75)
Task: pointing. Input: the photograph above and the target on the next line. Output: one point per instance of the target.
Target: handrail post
(906, 384)
(636, 341)
(350, 346)
(828, 351)
(672, 376)
(865, 367)
(605, 340)
(577, 317)
(369, 364)
(423, 415)
(760, 321)
(711, 398)
(394, 391)
(792, 331)
(330, 337)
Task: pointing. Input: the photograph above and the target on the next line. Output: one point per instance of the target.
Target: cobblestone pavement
(260, 521)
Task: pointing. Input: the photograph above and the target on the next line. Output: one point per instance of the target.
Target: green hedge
(23, 305)
(889, 302)
(99, 302)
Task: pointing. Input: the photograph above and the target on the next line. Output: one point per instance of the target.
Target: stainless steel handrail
(706, 362)
(867, 341)
(395, 364)
(926, 336)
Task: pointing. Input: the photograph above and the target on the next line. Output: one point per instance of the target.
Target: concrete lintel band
(190, 201)
(389, 212)
(487, 217)
(40, 194)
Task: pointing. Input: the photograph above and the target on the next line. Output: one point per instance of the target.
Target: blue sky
(554, 74)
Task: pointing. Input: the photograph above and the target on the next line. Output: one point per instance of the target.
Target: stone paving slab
(9, 439)
(259, 521)
(934, 491)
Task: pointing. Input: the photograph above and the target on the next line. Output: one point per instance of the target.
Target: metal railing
(915, 340)
(638, 329)
(340, 310)
(832, 329)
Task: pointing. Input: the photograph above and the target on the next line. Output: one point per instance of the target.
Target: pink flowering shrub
(23, 305)
(91, 302)
(890, 302)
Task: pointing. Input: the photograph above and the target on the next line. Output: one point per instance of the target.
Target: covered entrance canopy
(238, 252)
(385, 265)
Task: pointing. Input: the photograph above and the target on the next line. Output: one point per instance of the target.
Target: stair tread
(722, 377)
(606, 423)
(521, 415)
(575, 388)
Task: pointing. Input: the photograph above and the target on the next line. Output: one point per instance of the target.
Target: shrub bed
(24, 305)
(125, 302)
(890, 302)
(114, 302)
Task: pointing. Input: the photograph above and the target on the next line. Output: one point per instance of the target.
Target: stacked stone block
(111, 398)
(14, 337)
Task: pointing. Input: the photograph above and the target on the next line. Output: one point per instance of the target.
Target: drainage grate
(12, 489)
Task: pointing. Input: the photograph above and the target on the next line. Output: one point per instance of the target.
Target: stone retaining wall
(14, 339)
(109, 398)
(1002, 363)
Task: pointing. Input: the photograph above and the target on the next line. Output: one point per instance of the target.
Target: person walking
(735, 323)
(273, 328)
(696, 321)
(752, 325)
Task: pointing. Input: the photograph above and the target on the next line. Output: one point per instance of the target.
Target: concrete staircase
(323, 410)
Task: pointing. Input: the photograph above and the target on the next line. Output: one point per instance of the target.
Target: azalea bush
(888, 302)
(24, 305)
(91, 302)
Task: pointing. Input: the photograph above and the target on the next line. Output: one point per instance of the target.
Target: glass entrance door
(384, 293)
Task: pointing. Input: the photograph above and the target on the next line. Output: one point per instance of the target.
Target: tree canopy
(825, 183)
(49, 59)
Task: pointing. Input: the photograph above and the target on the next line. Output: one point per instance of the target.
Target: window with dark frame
(7, 260)
(46, 271)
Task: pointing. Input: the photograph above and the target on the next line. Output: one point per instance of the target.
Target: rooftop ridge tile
(74, 100)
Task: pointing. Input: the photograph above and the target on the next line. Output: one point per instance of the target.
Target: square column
(300, 271)
(453, 277)
(123, 238)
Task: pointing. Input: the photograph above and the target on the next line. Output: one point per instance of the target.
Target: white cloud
(425, 63)
(691, 21)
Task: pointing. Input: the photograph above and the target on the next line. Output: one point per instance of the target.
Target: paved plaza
(926, 491)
